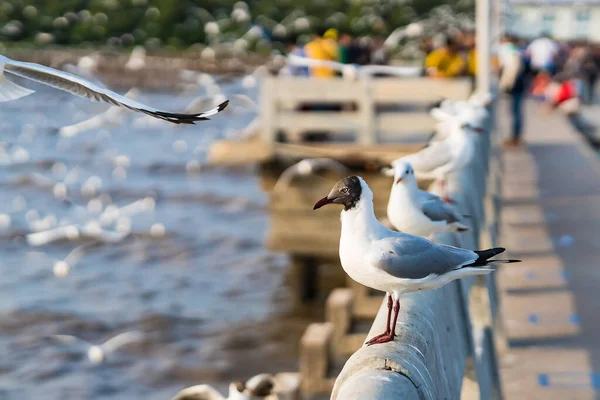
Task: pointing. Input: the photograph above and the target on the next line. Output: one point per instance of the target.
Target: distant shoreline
(159, 74)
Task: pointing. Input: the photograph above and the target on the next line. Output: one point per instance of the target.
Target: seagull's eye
(408, 171)
(344, 190)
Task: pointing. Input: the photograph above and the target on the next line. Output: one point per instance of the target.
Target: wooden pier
(375, 122)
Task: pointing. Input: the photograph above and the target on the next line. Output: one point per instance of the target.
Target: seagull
(83, 88)
(395, 262)
(415, 211)
(97, 353)
(61, 268)
(91, 230)
(307, 167)
(451, 154)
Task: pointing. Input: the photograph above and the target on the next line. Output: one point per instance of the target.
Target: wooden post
(482, 23)
(268, 109)
(366, 110)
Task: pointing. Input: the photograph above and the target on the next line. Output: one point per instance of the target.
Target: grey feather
(437, 209)
(413, 257)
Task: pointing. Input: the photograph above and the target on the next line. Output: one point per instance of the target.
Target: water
(209, 297)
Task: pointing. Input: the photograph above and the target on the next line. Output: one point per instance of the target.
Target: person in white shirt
(542, 54)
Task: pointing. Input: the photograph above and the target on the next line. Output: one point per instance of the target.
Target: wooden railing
(375, 110)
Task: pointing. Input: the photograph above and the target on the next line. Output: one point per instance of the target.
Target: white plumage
(83, 88)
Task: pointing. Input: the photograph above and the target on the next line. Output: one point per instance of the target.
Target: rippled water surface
(210, 299)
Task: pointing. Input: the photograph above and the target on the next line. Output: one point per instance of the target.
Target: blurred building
(563, 19)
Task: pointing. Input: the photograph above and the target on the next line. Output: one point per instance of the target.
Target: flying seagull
(97, 353)
(83, 88)
(395, 262)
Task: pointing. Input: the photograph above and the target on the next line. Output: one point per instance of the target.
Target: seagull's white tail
(458, 227)
(11, 91)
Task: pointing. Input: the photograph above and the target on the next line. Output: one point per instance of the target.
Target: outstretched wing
(70, 340)
(84, 88)
(122, 339)
(413, 257)
(77, 253)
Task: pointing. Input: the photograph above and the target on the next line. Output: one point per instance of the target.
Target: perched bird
(97, 353)
(395, 262)
(448, 155)
(415, 211)
(83, 88)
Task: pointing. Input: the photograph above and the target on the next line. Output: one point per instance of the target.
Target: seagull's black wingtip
(222, 106)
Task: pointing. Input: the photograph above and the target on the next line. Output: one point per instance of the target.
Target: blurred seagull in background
(83, 88)
(97, 353)
(61, 268)
(415, 211)
(307, 167)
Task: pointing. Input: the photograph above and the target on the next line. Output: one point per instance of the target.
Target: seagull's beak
(399, 179)
(479, 129)
(323, 202)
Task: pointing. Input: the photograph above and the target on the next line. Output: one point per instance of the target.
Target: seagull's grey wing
(413, 257)
(75, 255)
(70, 340)
(437, 210)
(84, 88)
(122, 339)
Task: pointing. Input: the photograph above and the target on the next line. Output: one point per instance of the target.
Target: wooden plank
(406, 123)
(240, 152)
(346, 151)
(549, 374)
(331, 121)
(539, 316)
(527, 239)
(419, 90)
(526, 214)
(295, 90)
(539, 272)
(268, 110)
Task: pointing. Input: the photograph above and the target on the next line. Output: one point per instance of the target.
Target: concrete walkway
(550, 304)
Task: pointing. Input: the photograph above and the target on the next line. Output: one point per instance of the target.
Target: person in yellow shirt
(323, 47)
(445, 62)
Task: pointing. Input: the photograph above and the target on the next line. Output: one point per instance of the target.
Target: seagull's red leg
(389, 318)
(390, 336)
(445, 195)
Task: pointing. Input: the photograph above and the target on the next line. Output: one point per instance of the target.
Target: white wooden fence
(364, 120)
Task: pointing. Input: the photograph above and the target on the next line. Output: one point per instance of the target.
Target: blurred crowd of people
(341, 47)
(559, 74)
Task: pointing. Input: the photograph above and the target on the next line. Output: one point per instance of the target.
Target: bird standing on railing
(415, 211)
(83, 88)
(395, 262)
(449, 154)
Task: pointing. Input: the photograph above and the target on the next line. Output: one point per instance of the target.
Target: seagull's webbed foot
(376, 339)
(388, 329)
(383, 339)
